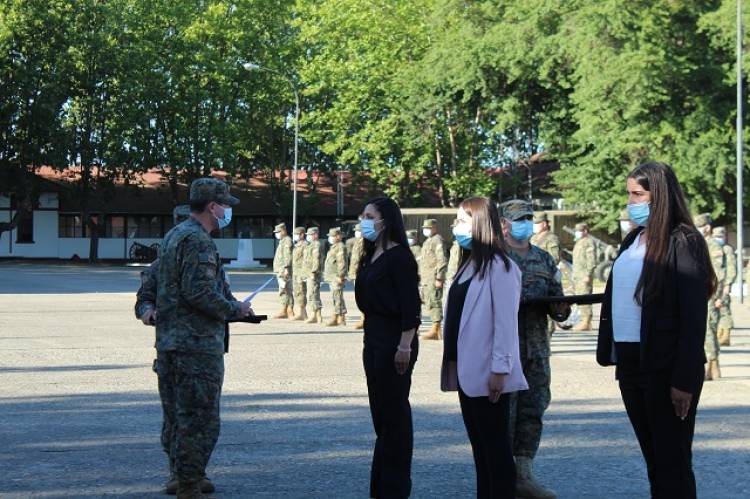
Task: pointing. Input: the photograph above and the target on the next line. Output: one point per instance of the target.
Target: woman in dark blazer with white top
(653, 324)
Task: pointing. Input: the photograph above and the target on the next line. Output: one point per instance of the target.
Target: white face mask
(411, 242)
(625, 226)
(331, 241)
(309, 239)
(537, 228)
(277, 235)
(579, 235)
(427, 232)
(357, 234)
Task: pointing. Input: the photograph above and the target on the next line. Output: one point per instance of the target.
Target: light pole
(250, 66)
(740, 106)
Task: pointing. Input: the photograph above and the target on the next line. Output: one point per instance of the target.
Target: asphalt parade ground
(80, 414)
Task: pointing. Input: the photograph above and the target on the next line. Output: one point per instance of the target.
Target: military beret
(335, 231)
(582, 226)
(181, 213)
(540, 217)
(412, 234)
(429, 223)
(299, 230)
(703, 219)
(279, 228)
(313, 230)
(719, 232)
(211, 189)
(515, 209)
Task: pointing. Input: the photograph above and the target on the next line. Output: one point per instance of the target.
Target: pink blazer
(488, 335)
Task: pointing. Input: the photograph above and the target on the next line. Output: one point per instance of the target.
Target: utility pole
(740, 221)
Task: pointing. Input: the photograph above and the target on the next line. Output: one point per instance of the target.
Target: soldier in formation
(584, 263)
(412, 237)
(313, 269)
(193, 303)
(540, 278)
(335, 270)
(282, 267)
(718, 260)
(432, 268)
(355, 248)
(726, 322)
(298, 273)
(544, 238)
(454, 258)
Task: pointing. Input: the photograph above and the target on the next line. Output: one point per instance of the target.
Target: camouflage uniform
(192, 309)
(584, 263)
(282, 267)
(454, 258)
(432, 267)
(314, 258)
(335, 269)
(414, 246)
(298, 271)
(718, 261)
(726, 323)
(546, 240)
(355, 248)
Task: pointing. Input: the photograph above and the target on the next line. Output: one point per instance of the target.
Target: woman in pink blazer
(481, 357)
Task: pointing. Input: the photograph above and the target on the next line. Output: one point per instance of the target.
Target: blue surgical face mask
(719, 240)
(368, 229)
(521, 230)
(462, 233)
(639, 213)
(226, 219)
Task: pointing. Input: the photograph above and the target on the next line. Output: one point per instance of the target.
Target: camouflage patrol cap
(279, 228)
(412, 234)
(313, 230)
(719, 232)
(540, 217)
(702, 220)
(336, 231)
(430, 223)
(515, 209)
(211, 189)
(299, 231)
(582, 226)
(180, 213)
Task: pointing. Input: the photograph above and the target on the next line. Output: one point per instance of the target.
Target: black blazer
(673, 327)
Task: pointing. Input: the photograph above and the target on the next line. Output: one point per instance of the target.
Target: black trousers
(487, 427)
(666, 441)
(390, 476)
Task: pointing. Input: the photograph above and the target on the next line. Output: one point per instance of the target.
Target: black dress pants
(388, 391)
(487, 427)
(666, 441)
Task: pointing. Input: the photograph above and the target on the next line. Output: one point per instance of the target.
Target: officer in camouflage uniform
(541, 278)
(544, 238)
(355, 248)
(412, 237)
(298, 273)
(282, 267)
(726, 322)
(314, 258)
(432, 269)
(584, 263)
(335, 270)
(192, 309)
(718, 260)
(454, 258)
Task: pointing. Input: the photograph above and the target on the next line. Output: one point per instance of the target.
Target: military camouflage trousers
(725, 314)
(337, 293)
(190, 390)
(286, 298)
(711, 345)
(313, 294)
(527, 407)
(581, 288)
(432, 297)
(300, 292)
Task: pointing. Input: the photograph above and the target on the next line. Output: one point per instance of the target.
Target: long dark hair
(393, 228)
(485, 235)
(669, 215)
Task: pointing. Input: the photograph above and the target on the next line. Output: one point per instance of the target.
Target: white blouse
(626, 313)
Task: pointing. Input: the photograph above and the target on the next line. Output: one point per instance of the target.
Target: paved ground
(81, 417)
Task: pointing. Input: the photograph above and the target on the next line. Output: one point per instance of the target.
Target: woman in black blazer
(387, 293)
(653, 324)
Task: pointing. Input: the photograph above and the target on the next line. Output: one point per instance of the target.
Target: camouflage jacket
(432, 264)
(540, 278)
(584, 258)
(453, 260)
(356, 252)
(731, 265)
(145, 298)
(416, 250)
(282, 260)
(718, 260)
(298, 260)
(191, 295)
(335, 265)
(314, 258)
(549, 242)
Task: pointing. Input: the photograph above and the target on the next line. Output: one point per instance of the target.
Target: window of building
(253, 227)
(115, 226)
(148, 226)
(25, 228)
